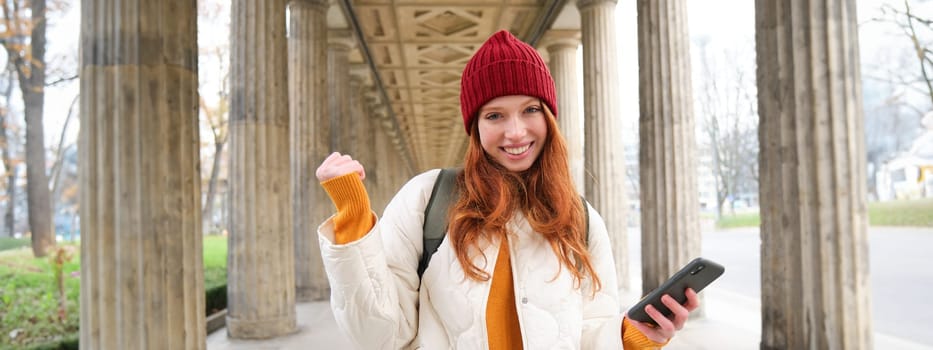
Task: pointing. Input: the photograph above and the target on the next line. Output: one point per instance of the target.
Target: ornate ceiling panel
(419, 48)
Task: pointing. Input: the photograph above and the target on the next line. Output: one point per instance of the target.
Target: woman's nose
(515, 128)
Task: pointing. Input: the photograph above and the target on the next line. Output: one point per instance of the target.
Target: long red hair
(544, 193)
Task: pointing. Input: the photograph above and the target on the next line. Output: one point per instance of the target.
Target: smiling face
(512, 130)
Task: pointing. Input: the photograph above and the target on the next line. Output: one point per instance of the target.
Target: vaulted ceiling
(418, 49)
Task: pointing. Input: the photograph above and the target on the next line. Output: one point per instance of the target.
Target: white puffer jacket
(377, 301)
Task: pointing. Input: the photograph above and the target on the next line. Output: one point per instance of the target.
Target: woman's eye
(493, 116)
(533, 109)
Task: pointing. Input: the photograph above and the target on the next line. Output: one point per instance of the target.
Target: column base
(261, 329)
(306, 294)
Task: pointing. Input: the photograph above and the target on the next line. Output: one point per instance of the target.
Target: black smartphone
(697, 275)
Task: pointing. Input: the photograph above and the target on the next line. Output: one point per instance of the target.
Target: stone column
(350, 123)
(670, 227)
(142, 277)
(365, 148)
(310, 141)
(397, 166)
(562, 46)
(815, 291)
(339, 43)
(383, 166)
(372, 101)
(378, 165)
(604, 159)
(261, 260)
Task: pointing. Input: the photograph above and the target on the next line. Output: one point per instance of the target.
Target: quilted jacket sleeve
(374, 280)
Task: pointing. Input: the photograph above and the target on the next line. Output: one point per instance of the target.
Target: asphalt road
(901, 263)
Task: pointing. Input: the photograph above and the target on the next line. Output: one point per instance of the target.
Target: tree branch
(919, 49)
(62, 80)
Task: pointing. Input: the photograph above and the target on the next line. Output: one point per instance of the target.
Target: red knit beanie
(504, 66)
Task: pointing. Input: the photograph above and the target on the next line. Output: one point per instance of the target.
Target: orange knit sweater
(355, 219)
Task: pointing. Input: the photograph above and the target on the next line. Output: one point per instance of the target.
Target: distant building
(910, 174)
(706, 182)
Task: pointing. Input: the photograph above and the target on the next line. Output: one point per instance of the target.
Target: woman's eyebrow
(487, 109)
(532, 102)
(526, 103)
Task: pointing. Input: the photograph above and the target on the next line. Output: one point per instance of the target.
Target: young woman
(517, 268)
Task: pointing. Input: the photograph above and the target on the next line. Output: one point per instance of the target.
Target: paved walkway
(316, 330)
(732, 322)
(733, 311)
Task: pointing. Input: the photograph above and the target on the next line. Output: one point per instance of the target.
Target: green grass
(29, 299)
(917, 212)
(215, 261)
(7, 243)
(215, 273)
(739, 220)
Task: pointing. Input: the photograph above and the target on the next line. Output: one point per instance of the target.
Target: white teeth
(517, 150)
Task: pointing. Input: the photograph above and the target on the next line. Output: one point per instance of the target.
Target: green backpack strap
(435, 214)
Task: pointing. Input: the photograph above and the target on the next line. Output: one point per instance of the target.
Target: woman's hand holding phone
(665, 310)
(667, 326)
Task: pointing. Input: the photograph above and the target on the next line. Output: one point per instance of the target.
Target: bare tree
(28, 57)
(7, 136)
(898, 86)
(215, 115)
(918, 30)
(915, 76)
(728, 123)
(217, 119)
(61, 151)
